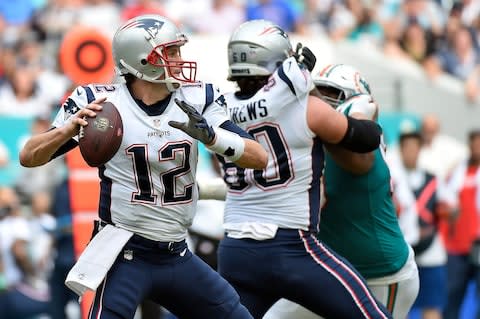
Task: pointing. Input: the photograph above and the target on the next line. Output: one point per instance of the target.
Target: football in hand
(101, 138)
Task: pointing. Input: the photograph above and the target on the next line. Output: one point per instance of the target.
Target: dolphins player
(358, 216)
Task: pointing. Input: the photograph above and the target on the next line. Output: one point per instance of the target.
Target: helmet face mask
(257, 48)
(331, 94)
(338, 82)
(142, 47)
(174, 66)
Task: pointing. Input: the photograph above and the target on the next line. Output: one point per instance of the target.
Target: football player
(148, 187)
(270, 250)
(358, 215)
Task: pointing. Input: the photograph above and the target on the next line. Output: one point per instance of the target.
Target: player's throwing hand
(197, 126)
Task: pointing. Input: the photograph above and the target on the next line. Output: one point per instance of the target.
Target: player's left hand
(305, 56)
(197, 126)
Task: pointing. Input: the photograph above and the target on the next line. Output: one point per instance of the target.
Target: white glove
(362, 103)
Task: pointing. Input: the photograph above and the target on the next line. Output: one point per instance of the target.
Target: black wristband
(362, 136)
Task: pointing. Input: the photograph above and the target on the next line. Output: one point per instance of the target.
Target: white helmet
(342, 81)
(257, 48)
(139, 48)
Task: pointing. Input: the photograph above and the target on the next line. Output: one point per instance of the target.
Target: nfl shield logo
(128, 254)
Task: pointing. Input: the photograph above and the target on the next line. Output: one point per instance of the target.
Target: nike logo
(79, 92)
(183, 252)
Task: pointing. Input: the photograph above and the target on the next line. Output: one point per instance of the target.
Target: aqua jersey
(358, 219)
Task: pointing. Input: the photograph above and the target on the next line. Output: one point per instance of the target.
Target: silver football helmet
(257, 47)
(338, 82)
(140, 48)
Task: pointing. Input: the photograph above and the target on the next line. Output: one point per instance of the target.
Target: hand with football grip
(305, 56)
(79, 120)
(197, 126)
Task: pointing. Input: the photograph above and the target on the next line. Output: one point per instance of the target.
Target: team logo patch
(70, 108)
(273, 30)
(152, 26)
(221, 101)
(128, 254)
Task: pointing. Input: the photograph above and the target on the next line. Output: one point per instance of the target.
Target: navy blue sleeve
(69, 145)
(232, 127)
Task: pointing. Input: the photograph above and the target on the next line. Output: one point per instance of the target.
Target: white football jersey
(287, 192)
(149, 186)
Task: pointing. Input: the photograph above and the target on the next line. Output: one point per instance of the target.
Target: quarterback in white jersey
(148, 191)
(271, 216)
(166, 203)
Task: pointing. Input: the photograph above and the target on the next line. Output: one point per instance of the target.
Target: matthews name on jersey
(276, 117)
(164, 202)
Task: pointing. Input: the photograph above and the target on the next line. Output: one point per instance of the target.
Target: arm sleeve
(362, 136)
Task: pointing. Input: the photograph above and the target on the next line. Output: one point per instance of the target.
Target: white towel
(97, 258)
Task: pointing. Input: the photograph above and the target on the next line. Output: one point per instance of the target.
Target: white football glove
(362, 103)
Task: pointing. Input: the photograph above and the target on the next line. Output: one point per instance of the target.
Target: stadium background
(38, 35)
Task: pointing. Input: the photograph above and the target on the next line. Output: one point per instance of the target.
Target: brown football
(101, 138)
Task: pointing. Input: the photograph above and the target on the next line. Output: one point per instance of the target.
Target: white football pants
(396, 292)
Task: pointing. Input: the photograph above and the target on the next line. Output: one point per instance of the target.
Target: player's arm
(353, 162)
(253, 152)
(359, 107)
(357, 135)
(43, 147)
(254, 155)
(227, 140)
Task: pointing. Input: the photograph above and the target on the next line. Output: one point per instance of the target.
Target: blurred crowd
(441, 35)
(36, 250)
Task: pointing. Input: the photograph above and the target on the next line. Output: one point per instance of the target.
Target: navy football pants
(296, 266)
(175, 278)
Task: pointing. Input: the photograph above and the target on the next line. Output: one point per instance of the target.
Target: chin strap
(172, 84)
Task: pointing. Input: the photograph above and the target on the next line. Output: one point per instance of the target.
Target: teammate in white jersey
(148, 187)
(270, 249)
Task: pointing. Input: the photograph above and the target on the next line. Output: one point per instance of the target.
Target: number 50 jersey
(287, 192)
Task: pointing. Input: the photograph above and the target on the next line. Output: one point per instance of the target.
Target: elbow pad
(362, 136)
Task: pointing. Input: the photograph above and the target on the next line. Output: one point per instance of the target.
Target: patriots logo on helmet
(152, 26)
(275, 29)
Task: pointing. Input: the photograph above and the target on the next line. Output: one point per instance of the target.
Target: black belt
(170, 246)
